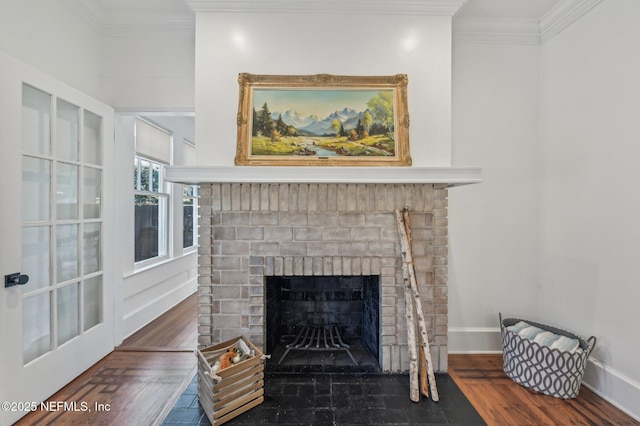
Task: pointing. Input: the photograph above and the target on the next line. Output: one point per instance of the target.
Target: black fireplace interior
(319, 313)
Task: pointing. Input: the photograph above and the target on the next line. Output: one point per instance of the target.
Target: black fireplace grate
(317, 338)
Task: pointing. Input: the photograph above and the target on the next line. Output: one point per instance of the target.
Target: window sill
(148, 265)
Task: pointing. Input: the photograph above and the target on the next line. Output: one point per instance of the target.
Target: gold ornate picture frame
(322, 120)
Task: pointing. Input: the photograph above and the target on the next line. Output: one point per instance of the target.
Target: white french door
(56, 221)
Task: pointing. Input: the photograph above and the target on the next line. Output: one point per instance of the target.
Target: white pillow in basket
(545, 338)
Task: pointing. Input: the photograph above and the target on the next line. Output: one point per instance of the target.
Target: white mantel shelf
(451, 176)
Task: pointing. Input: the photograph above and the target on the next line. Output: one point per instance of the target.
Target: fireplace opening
(323, 323)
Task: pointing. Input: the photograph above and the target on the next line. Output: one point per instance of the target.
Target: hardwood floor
(140, 381)
(501, 401)
(177, 330)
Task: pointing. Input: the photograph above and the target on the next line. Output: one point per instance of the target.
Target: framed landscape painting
(323, 120)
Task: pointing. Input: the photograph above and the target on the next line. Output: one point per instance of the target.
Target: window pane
(36, 252)
(145, 172)
(136, 174)
(36, 121)
(155, 177)
(66, 191)
(190, 190)
(146, 227)
(36, 323)
(67, 313)
(92, 145)
(67, 130)
(92, 302)
(67, 252)
(187, 228)
(36, 189)
(92, 193)
(91, 248)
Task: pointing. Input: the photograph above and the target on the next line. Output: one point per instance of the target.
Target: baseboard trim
(156, 307)
(613, 386)
(474, 340)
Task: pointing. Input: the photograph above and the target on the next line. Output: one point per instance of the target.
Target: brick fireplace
(251, 231)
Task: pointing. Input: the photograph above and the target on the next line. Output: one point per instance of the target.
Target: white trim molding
(496, 31)
(131, 25)
(613, 386)
(450, 176)
(397, 7)
(565, 13)
(474, 340)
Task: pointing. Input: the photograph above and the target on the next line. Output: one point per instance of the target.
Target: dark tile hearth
(339, 399)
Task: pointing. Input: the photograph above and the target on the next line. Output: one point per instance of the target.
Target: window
(151, 196)
(150, 228)
(189, 215)
(189, 200)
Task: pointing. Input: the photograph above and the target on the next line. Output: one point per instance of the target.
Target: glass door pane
(67, 253)
(67, 304)
(36, 121)
(92, 305)
(67, 124)
(36, 326)
(92, 143)
(36, 189)
(36, 256)
(66, 191)
(91, 254)
(92, 195)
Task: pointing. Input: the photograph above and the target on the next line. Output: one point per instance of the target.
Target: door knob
(15, 279)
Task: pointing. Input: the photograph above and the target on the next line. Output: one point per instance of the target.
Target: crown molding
(92, 13)
(141, 27)
(127, 25)
(465, 30)
(396, 7)
(565, 13)
(496, 31)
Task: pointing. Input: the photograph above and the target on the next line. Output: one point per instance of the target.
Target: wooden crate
(228, 393)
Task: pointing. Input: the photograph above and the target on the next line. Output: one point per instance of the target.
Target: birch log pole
(404, 230)
(424, 380)
(414, 391)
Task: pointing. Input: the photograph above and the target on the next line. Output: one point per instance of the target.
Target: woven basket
(549, 371)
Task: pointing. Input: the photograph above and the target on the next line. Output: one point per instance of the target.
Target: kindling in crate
(230, 379)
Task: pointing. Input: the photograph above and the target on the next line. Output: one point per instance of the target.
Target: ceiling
(506, 9)
(483, 21)
(109, 14)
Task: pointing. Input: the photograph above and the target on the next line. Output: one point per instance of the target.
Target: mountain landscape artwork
(323, 123)
(322, 120)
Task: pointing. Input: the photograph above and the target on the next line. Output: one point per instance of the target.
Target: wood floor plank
(501, 401)
(138, 383)
(176, 329)
(124, 388)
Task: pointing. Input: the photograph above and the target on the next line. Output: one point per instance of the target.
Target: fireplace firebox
(323, 320)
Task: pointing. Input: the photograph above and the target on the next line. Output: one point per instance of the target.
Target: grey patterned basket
(541, 368)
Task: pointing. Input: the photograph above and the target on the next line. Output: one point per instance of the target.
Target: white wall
(590, 203)
(493, 225)
(228, 44)
(43, 34)
(150, 71)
